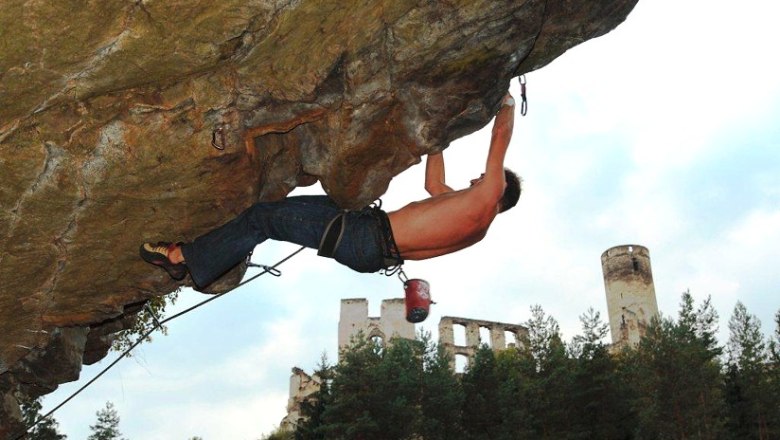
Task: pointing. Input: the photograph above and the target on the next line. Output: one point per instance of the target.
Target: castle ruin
(631, 303)
(391, 322)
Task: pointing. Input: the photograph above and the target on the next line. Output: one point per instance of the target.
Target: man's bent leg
(299, 220)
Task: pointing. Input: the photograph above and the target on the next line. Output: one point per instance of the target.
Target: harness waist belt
(389, 249)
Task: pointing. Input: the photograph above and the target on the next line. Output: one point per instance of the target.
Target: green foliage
(144, 322)
(45, 429)
(107, 426)
(751, 379)
(672, 386)
(280, 434)
(674, 377)
(375, 392)
(597, 396)
(442, 398)
(312, 409)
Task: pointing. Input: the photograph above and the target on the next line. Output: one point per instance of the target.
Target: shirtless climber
(371, 239)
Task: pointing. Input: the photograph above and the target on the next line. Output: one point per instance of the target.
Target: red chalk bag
(418, 300)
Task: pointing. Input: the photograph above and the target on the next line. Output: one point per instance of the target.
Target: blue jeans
(301, 220)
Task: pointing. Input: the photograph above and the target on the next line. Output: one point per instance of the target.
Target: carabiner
(524, 100)
(222, 138)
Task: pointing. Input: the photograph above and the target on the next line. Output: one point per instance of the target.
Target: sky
(662, 133)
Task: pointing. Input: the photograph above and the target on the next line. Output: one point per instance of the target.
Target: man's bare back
(451, 220)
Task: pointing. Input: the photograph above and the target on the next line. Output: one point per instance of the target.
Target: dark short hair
(514, 186)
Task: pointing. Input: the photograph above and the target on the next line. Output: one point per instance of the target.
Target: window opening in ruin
(510, 338)
(484, 337)
(379, 343)
(459, 335)
(635, 263)
(461, 363)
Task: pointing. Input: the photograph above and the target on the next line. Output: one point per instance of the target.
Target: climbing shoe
(157, 254)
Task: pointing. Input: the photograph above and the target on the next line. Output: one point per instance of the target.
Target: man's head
(511, 192)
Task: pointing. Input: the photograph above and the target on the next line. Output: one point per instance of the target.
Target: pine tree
(517, 377)
(747, 382)
(398, 389)
(441, 398)
(551, 383)
(107, 426)
(375, 393)
(598, 408)
(348, 416)
(313, 408)
(773, 372)
(480, 386)
(675, 377)
(45, 429)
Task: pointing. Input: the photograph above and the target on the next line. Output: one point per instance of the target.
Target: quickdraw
(523, 99)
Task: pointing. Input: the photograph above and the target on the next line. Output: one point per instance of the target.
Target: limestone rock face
(108, 113)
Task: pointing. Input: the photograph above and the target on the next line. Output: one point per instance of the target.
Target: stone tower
(628, 280)
(391, 322)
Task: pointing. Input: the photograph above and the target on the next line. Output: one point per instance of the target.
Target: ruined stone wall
(631, 303)
(497, 339)
(390, 323)
(302, 387)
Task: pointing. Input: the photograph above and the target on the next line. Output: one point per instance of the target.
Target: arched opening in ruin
(484, 337)
(459, 335)
(511, 338)
(377, 338)
(378, 341)
(461, 363)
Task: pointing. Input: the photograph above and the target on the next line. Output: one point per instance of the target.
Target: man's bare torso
(451, 220)
(443, 223)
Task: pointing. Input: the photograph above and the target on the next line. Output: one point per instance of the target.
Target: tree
(481, 418)
(107, 426)
(517, 378)
(45, 429)
(375, 392)
(550, 375)
(749, 391)
(773, 371)
(442, 396)
(313, 408)
(674, 377)
(598, 408)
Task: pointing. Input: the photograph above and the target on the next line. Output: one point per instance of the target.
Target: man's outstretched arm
(434, 175)
(499, 142)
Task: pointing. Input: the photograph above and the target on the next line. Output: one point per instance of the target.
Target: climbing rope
(157, 324)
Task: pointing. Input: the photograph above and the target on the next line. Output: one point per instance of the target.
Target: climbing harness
(523, 99)
(158, 324)
(417, 294)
